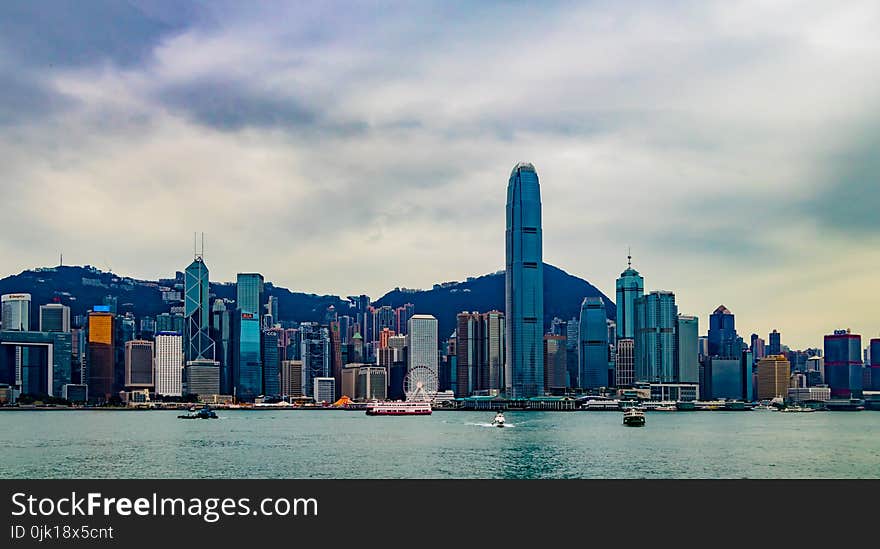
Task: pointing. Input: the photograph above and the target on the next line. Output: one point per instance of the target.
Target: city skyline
(307, 143)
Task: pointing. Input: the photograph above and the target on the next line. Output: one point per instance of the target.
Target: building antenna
(61, 261)
(629, 256)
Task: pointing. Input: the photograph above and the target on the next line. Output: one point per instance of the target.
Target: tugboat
(499, 420)
(634, 417)
(205, 413)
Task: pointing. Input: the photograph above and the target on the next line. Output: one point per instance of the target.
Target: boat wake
(506, 425)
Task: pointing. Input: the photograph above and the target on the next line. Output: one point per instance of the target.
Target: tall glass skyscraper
(687, 334)
(16, 312)
(630, 286)
(843, 364)
(524, 285)
(723, 340)
(655, 322)
(247, 368)
(593, 344)
(198, 344)
(249, 293)
(315, 354)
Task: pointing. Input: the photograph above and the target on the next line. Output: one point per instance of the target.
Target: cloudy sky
(346, 148)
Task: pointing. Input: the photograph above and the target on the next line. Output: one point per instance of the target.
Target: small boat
(205, 413)
(397, 408)
(499, 420)
(634, 417)
(797, 409)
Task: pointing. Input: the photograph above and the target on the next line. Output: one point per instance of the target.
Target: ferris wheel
(420, 384)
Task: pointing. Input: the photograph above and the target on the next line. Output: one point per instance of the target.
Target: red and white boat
(398, 408)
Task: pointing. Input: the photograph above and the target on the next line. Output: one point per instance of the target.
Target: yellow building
(773, 376)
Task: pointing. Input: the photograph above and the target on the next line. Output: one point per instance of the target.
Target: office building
(324, 390)
(630, 286)
(202, 377)
(593, 344)
(421, 343)
(350, 379)
(198, 344)
(139, 365)
(402, 315)
(555, 365)
(757, 347)
(247, 366)
(54, 317)
(524, 285)
(624, 364)
(874, 364)
(315, 354)
(656, 317)
(271, 364)
(249, 293)
(775, 347)
(687, 354)
(291, 378)
(169, 363)
(372, 383)
(101, 360)
(843, 364)
(479, 353)
(16, 312)
(774, 372)
(723, 339)
(35, 363)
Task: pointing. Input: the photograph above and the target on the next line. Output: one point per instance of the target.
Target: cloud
(341, 151)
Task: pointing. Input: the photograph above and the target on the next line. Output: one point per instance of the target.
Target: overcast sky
(348, 148)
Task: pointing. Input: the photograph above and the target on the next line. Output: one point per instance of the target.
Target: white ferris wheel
(420, 384)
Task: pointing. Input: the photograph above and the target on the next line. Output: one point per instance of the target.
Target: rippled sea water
(347, 444)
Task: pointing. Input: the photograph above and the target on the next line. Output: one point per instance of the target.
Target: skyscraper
(315, 354)
(198, 344)
(139, 364)
(593, 344)
(100, 362)
(630, 286)
(247, 368)
(775, 343)
(757, 347)
(687, 355)
(479, 353)
(54, 317)
(271, 364)
(555, 367)
(874, 365)
(421, 342)
(656, 316)
(773, 375)
(524, 285)
(169, 364)
(843, 364)
(16, 312)
(249, 292)
(723, 340)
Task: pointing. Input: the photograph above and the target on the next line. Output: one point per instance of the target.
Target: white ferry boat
(399, 408)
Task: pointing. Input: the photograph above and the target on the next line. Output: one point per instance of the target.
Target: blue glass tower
(247, 368)
(524, 285)
(593, 344)
(655, 346)
(630, 286)
(723, 340)
(249, 292)
(198, 344)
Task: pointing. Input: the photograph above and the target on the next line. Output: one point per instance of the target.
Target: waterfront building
(571, 352)
(221, 335)
(524, 285)
(843, 364)
(593, 344)
(725, 378)
(291, 378)
(685, 392)
(139, 365)
(656, 316)
(687, 354)
(198, 344)
(100, 361)
(54, 317)
(775, 347)
(773, 377)
(350, 379)
(75, 392)
(624, 364)
(169, 363)
(479, 352)
(271, 364)
(816, 370)
(555, 367)
(372, 383)
(202, 377)
(421, 342)
(801, 395)
(249, 288)
(315, 354)
(36, 363)
(630, 286)
(324, 390)
(16, 312)
(247, 367)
